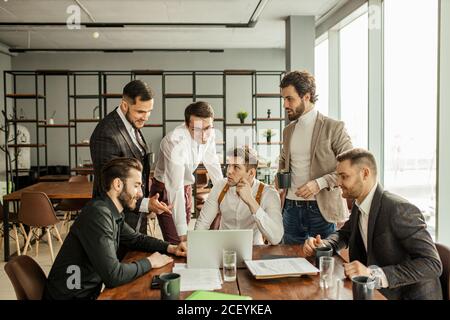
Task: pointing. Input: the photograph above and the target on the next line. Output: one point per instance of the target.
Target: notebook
(211, 295)
(280, 268)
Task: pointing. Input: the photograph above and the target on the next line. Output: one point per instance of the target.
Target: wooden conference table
(54, 190)
(293, 288)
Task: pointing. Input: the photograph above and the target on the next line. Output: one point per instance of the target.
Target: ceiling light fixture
(95, 35)
(250, 24)
(258, 10)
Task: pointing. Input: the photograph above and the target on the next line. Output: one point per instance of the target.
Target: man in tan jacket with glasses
(313, 204)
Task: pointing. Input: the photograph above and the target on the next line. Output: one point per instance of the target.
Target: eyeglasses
(207, 129)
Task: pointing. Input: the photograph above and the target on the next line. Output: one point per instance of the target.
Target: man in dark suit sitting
(119, 135)
(385, 232)
(88, 257)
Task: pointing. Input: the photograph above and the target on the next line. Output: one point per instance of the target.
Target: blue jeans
(302, 219)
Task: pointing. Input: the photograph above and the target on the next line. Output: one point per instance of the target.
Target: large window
(410, 93)
(354, 79)
(321, 75)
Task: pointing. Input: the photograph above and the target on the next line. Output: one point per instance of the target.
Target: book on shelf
(212, 295)
(280, 268)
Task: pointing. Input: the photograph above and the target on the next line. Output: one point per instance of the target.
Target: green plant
(269, 133)
(242, 115)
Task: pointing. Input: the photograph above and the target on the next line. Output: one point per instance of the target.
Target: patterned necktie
(140, 141)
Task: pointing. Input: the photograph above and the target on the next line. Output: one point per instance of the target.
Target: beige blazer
(329, 139)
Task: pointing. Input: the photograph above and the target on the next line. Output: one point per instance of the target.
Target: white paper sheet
(198, 279)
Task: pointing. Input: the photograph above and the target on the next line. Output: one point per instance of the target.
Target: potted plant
(51, 120)
(242, 115)
(269, 133)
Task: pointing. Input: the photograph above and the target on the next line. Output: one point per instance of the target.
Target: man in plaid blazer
(119, 135)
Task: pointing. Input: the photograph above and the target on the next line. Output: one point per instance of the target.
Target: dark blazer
(110, 140)
(399, 243)
(91, 246)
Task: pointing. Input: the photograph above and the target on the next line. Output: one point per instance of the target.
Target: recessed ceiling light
(96, 35)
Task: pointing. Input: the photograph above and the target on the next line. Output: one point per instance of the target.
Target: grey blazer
(329, 139)
(399, 243)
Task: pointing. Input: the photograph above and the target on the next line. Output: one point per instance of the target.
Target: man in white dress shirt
(243, 201)
(181, 151)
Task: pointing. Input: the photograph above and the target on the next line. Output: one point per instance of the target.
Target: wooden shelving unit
(25, 96)
(56, 126)
(38, 103)
(26, 145)
(104, 94)
(278, 121)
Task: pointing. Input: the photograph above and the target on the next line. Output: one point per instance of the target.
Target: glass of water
(326, 271)
(229, 265)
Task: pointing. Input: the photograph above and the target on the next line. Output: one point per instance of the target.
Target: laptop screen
(205, 247)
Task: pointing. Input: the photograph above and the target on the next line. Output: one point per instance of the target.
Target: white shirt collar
(365, 205)
(308, 118)
(127, 124)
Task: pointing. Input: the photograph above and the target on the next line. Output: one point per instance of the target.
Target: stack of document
(279, 268)
(198, 279)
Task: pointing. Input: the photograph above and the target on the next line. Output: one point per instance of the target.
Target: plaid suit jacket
(110, 140)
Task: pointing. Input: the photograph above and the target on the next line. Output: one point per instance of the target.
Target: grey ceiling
(268, 32)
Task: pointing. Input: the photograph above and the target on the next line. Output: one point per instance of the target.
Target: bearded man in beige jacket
(313, 204)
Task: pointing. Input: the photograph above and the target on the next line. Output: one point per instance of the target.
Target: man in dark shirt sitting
(88, 258)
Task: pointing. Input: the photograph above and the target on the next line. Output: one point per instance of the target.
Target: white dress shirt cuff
(384, 280)
(322, 183)
(182, 229)
(144, 205)
(260, 213)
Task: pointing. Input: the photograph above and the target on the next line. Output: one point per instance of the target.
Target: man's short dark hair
(118, 168)
(303, 82)
(359, 156)
(137, 88)
(248, 155)
(199, 109)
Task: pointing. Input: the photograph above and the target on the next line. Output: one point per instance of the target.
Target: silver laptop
(205, 247)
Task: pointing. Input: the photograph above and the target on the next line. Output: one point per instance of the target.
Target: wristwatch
(376, 273)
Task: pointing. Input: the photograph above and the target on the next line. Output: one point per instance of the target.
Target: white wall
(238, 89)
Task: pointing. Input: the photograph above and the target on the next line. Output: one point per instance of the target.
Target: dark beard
(127, 116)
(297, 112)
(125, 199)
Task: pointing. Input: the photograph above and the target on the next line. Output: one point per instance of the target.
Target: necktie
(140, 141)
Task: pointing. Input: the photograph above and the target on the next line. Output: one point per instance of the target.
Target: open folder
(280, 268)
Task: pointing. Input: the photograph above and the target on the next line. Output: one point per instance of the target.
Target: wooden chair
(13, 221)
(71, 207)
(202, 190)
(37, 212)
(27, 278)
